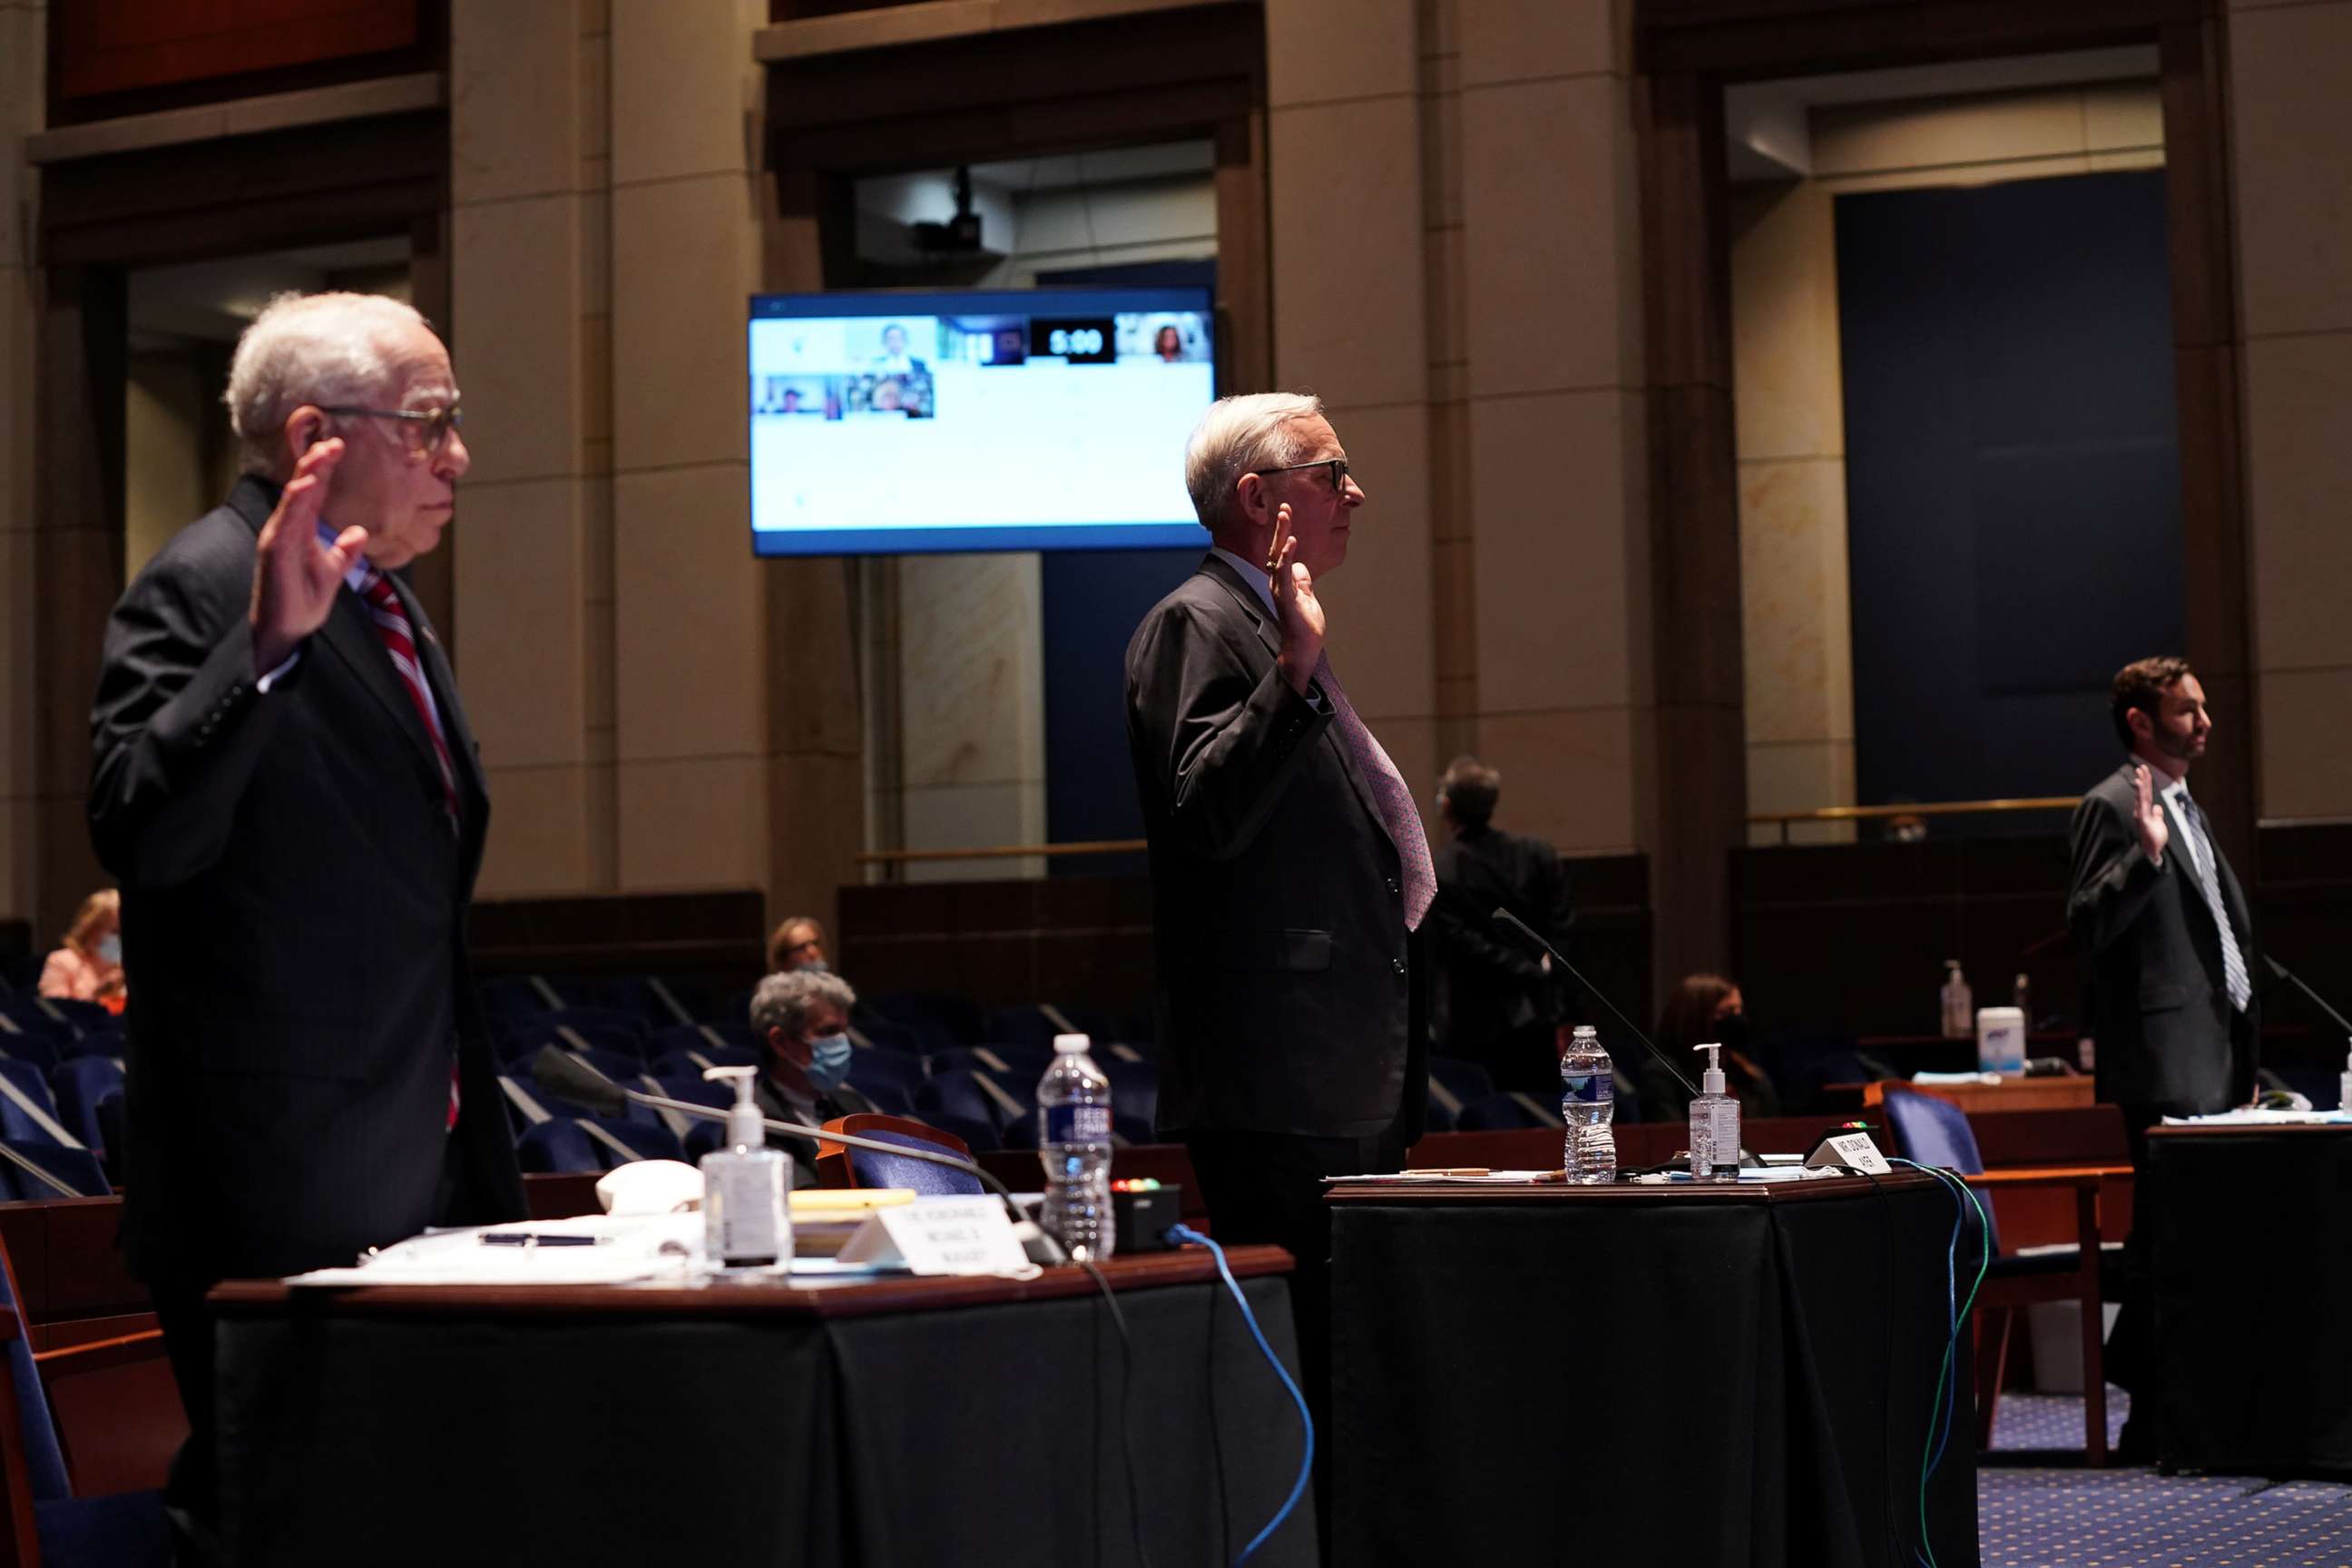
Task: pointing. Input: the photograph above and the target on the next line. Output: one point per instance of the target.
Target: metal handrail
(1003, 851)
(1782, 818)
(1915, 808)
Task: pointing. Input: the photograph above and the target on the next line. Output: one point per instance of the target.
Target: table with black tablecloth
(1691, 1374)
(917, 1421)
(2252, 1262)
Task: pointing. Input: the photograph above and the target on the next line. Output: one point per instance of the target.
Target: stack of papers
(2246, 1116)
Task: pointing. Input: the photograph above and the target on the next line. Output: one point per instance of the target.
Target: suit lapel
(444, 682)
(1221, 570)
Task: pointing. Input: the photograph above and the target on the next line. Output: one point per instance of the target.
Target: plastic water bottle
(1588, 1102)
(1074, 1142)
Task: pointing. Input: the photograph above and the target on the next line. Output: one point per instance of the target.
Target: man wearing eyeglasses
(1290, 868)
(286, 787)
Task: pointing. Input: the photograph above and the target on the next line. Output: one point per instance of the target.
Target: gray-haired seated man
(803, 1016)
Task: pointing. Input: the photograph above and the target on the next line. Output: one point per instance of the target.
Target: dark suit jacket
(293, 923)
(2168, 1041)
(1492, 978)
(1284, 972)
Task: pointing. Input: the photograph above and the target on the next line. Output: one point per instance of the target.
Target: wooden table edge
(1154, 1270)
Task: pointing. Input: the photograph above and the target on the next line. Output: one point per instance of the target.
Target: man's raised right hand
(296, 575)
(2148, 815)
(1295, 606)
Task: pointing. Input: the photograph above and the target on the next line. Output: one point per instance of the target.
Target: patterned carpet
(2046, 1422)
(2137, 1518)
(2134, 1518)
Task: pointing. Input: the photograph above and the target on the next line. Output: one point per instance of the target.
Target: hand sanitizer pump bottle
(1714, 1126)
(746, 1217)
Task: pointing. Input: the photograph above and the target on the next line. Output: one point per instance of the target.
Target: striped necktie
(1389, 793)
(2208, 880)
(400, 640)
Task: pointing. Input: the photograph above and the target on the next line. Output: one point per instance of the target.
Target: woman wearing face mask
(803, 1015)
(88, 967)
(1704, 1009)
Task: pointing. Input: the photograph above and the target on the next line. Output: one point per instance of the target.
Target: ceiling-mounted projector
(961, 234)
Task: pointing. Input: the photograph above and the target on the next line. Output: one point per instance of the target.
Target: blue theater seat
(124, 1530)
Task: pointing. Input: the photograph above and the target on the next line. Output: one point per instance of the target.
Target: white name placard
(1852, 1149)
(939, 1235)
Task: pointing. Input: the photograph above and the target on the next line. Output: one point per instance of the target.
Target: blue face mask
(828, 1062)
(109, 950)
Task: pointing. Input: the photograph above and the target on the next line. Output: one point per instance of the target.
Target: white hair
(1237, 436)
(309, 348)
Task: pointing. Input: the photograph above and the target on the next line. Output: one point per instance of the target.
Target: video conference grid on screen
(1039, 419)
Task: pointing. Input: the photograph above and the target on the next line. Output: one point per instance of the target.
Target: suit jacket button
(1398, 963)
(1392, 886)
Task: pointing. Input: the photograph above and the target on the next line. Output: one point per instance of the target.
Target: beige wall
(22, 51)
(1795, 612)
(1539, 551)
(167, 483)
(533, 544)
(2289, 78)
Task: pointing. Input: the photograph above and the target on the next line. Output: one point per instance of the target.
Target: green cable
(1943, 1375)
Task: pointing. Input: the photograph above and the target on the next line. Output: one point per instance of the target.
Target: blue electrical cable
(1940, 1411)
(1187, 1235)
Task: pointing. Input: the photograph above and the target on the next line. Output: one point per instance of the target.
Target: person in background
(803, 1017)
(1168, 346)
(88, 965)
(2168, 952)
(799, 943)
(1500, 1002)
(1704, 1009)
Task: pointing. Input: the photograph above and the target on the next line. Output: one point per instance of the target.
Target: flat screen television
(900, 423)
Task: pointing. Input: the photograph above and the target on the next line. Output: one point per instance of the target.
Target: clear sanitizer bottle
(746, 1187)
(1714, 1126)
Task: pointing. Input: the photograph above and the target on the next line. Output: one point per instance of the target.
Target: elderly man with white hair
(1290, 868)
(285, 788)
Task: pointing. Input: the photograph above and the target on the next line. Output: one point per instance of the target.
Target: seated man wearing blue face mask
(803, 1015)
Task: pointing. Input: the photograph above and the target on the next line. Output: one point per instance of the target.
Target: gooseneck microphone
(567, 1077)
(2318, 1001)
(1591, 990)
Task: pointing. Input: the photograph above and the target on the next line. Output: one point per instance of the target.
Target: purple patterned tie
(1389, 792)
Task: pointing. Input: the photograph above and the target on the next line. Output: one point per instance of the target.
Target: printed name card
(939, 1235)
(1851, 1150)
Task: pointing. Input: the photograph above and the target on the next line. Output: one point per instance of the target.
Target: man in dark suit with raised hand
(2159, 916)
(286, 787)
(2167, 949)
(1289, 869)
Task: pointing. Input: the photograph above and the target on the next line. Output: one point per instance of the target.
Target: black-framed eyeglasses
(437, 422)
(1339, 467)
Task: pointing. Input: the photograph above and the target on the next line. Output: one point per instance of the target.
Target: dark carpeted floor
(2134, 1518)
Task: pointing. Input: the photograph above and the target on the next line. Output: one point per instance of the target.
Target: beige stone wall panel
(687, 626)
(1554, 302)
(515, 83)
(684, 255)
(2299, 461)
(1346, 187)
(2289, 78)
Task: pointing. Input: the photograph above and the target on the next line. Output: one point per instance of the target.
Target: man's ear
(304, 428)
(2140, 722)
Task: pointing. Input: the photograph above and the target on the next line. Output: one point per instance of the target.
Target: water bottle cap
(1071, 1045)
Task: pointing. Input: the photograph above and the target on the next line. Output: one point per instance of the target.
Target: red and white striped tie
(399, 636)
(400, 640)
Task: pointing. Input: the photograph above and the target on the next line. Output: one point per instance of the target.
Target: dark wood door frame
(1686, 51)
(101, 219)
(1156, 76)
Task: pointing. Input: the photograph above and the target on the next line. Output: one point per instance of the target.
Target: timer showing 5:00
(1076, 340)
